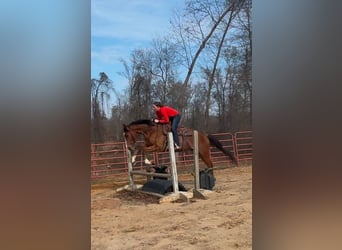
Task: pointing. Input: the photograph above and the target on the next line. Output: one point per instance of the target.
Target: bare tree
(196, 111)
(100, 93)
(205, 23)
(140, 87)
(245, 39)
(164, 66)
(201, 10)
(211, 74)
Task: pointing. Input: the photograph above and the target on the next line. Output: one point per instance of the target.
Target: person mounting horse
(166, 114)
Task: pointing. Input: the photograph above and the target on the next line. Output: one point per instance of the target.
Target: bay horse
(155, 138)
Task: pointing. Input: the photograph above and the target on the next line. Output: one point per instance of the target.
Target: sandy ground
(122, 220)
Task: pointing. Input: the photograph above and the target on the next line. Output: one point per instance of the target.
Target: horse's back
(187, 137)
(185, 131)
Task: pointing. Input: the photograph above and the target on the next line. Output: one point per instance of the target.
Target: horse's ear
(125, 127)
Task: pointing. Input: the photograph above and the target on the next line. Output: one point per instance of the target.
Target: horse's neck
(143, 129)
(152, 134)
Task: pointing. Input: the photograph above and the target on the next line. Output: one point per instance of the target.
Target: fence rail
(110, 159)
(243, 146)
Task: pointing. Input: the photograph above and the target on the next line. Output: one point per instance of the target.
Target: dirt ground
(125, 220)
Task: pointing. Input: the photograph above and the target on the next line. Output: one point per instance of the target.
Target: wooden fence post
(173, 163)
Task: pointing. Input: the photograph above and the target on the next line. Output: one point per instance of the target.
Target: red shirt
(165, 113)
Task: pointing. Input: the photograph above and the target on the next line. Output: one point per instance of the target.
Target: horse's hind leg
(205, 156)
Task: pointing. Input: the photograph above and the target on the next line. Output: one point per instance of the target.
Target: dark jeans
(174, 125)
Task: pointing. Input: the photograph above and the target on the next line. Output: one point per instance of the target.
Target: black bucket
(207, 179)
(161, 186)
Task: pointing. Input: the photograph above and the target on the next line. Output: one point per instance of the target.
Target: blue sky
(120, 26)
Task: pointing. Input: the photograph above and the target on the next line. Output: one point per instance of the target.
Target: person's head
(156, 106)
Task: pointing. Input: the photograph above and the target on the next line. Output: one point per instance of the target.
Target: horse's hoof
(148, 162)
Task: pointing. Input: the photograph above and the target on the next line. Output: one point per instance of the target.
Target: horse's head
(130, 137)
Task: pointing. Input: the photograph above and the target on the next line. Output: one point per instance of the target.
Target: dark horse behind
(155, 137)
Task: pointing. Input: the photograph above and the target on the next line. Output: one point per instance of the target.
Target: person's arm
(164, 118)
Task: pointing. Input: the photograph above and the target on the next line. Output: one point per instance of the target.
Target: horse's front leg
(134, 156)
(142, 150)
(147, 150)
(147, 161)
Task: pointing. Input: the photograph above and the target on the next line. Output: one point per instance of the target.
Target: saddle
(166, 128)
(182, 132)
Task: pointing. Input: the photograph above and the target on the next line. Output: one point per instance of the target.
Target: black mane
(142, 121)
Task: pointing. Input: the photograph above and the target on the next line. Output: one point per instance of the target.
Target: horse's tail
(217, 143)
